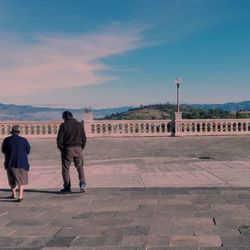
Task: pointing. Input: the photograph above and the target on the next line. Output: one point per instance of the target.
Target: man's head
(16, 129)
(66, 115)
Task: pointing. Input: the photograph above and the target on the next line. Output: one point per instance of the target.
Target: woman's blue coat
(16, 149)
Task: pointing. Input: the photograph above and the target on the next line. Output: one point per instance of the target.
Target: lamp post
(178, 81)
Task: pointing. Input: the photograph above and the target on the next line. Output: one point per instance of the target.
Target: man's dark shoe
(82, 185)
(65, 191)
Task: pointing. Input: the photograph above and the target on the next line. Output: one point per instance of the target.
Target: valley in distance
(229, 110)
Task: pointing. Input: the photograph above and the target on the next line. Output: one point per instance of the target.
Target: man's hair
(66, 115)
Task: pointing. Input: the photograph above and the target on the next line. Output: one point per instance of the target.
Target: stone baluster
(206, 127)
(121, 128)
(237, 129)
(25, 129)
(101, 129)
(159, 126)
(92, 128)
(192, 127)
(152, 128)
(2, 130)
(110, 129)
(226, 127)
(45, 129)
(241, 126)
(195, 127)
(32, 129)
(38, 129)
(102, 126)
(164, 128)
(184, 127)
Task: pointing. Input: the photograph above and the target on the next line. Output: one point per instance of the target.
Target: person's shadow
(9, 198)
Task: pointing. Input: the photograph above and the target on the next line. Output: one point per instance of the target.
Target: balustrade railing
(195, 127)
(31, 129)
(94, 128)
(128, 128)
(135, 128)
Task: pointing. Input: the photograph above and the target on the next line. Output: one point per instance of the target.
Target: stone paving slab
(212, 174)
(183, 178)
(146, 162)
(196, 241)
(143, 194)
(130, 218)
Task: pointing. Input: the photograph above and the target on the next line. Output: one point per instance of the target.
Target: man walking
(71, 140)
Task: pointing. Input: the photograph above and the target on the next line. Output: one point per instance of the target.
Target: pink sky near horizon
(60, 61)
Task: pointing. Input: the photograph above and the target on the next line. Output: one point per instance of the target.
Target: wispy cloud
(52, 61)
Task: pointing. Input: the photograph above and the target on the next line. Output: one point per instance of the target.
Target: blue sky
(113, 53)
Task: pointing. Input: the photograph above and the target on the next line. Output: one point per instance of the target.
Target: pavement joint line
(4, 214)
(154, 214)
(139, 172)
(210, 172)
(214, 221)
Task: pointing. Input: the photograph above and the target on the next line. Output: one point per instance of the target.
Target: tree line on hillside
(167, 111)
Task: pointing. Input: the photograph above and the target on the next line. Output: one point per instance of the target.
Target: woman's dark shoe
(19, 199)
(11, 196)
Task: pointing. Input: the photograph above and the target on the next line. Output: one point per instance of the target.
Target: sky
(112, 53)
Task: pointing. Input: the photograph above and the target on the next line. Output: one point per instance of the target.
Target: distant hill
(156, 111)
(229, 106)
(30, 113)
(195, 111)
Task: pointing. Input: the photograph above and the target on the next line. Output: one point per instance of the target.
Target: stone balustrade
(203, 127)
(31, 129)
(135, 128)
(128, 128)
(93, 128)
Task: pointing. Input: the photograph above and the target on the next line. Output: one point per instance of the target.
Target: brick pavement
(128, 218)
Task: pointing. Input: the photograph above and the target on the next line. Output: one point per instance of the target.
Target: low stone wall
(93, 128)
(31, 129)
(128, 128)
(135, 128)
(206, 127)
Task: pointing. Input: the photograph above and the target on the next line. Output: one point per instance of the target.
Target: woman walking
(16, 149)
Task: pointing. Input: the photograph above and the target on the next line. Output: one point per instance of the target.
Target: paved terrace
(143, 193)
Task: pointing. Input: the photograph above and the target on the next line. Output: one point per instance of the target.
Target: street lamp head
(178, 80)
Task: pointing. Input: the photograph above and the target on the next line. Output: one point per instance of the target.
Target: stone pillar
(46, 129)
(177, 123)
(88, 119)
(178, 116)
(88, 116)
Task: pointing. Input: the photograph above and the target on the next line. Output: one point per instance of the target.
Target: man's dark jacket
(16, 149)
(71, 134)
